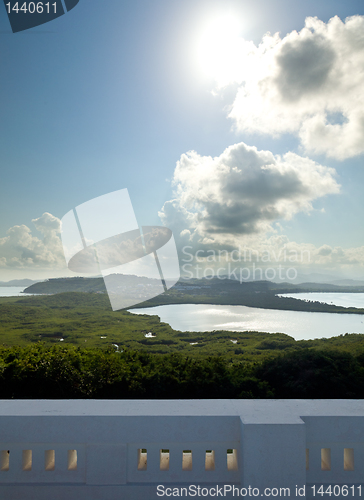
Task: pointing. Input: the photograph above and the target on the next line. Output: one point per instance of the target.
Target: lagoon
(297, 324)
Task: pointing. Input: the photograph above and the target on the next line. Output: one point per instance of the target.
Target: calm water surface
(338, 299)
(12, 291)
(299, 325)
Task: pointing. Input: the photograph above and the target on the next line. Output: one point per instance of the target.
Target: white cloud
(309, 83)
(47, 224)
(234, 203)
(241, 192)
(19, 249)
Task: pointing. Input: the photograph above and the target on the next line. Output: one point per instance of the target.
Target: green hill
(262, 294)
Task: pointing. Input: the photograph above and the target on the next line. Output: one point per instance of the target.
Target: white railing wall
(124, 449)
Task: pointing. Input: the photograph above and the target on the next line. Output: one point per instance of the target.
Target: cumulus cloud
(241, 192)
(19, 249)
(309, 83)
(230, 206)
(47, 224)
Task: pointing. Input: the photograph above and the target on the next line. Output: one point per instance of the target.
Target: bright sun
(218, 49)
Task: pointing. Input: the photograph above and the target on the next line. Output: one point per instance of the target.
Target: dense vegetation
(72, 345)
(86, 320)
(69, 372)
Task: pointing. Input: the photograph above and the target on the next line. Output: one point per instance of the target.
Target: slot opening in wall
(210, 460)
(187, 460)
(348, 458)
(232, 459)
(307, 458)
(325, 458)
(27, 460)
(50, 459)
(142, 459)
(5, 455)
(164, 459)
(72, 460)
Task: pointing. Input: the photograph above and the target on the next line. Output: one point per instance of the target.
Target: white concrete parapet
(115, 450)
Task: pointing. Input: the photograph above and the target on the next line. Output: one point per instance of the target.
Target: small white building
(117, 450)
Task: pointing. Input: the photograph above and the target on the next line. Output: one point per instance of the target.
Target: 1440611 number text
(32, 7)
(336, 490)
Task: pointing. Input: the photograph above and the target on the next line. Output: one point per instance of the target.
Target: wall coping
(250, 411)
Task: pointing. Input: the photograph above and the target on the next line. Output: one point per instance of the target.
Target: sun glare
(218, 49)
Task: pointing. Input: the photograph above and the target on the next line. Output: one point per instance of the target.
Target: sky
(239, 125)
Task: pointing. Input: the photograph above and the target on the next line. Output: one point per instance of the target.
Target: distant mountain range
(324, 278)
(348, 282)
(131, 282)
(314, 281)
